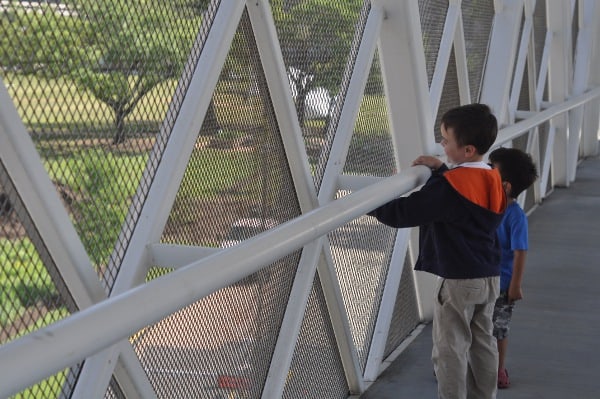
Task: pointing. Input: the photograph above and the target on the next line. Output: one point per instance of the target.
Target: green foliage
(311, 42)
(107, 182)
(50, 388)
(44, 42)
(315, 37)
(117, 51)
(134, 47)
(25, 285)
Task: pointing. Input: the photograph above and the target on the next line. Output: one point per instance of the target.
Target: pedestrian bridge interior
(184, 184)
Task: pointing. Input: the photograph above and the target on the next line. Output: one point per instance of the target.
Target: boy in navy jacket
(458, 210)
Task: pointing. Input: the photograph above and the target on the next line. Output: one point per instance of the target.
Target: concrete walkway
(554, 350)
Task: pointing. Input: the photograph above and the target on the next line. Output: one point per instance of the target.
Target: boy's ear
(507, 188)
(470, 150)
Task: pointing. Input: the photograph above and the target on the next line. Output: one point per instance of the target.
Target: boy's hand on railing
(431, 162)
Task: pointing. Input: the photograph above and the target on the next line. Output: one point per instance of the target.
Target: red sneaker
(503, 381)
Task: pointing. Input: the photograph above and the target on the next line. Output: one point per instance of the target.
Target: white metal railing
(531, 122)
(536, 118)
(66, 342)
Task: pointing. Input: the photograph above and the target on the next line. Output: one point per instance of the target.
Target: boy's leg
(483, 355)
(451, 339)
(503, 380)
(502, 345)
(502, 316)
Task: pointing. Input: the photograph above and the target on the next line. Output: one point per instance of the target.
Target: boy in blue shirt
(518, 172)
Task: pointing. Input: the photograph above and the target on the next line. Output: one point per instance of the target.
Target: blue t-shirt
(512, 234)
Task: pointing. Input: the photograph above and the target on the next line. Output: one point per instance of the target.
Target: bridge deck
(553, 350)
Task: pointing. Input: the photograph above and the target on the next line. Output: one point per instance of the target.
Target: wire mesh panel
(316, 371)
(218, 347)
(237, 184)
(114, 391)
(527, 101)
(477, 19)
(450, 95)
(93, 81)
(406, 313)
(32, 292)
(99, 86)
(539, 33)
(526, 98)
(539, 38)
(433, 17)
(317, 47)
(361, 252)
(371, 149)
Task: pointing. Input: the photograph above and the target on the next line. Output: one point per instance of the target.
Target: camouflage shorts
(502, 314)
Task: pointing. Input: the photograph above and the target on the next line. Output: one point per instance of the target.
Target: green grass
(50, 388)
(59, 102)
(373, 119)
(25, 284)
(23, 279)
(216, 170)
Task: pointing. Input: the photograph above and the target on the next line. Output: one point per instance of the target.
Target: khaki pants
(465, 353)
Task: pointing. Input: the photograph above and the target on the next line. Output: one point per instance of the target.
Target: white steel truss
(393, 32)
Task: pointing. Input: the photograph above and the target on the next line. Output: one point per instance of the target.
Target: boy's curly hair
(515, 167)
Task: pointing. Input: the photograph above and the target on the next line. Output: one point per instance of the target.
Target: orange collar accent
(480, 186)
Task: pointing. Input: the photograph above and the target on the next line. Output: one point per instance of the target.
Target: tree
(133, 47)
(315, 37)
(117, 50)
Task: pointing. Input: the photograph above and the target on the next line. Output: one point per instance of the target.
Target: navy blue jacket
(458, 211)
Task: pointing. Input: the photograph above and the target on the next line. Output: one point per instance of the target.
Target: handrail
(64, 343)
(511, 132)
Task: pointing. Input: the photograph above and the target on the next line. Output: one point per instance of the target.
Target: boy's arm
(432, 203)
(514, 290)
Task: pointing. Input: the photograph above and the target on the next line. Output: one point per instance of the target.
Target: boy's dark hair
(473, 124)
(515, 167)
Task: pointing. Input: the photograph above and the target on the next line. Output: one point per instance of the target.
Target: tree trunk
(120, 126)
(210, 125)
(301, 105)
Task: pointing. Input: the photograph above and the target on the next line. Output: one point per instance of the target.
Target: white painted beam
(497, 77)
